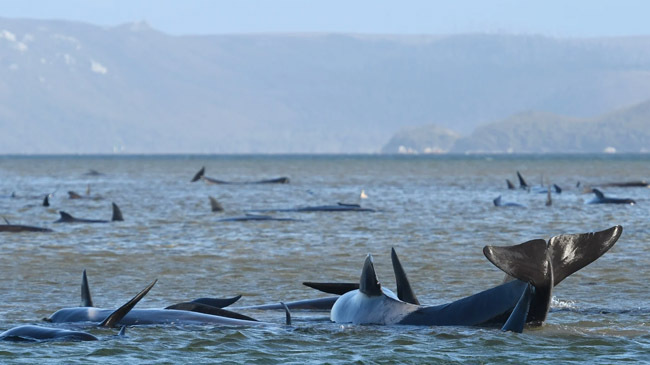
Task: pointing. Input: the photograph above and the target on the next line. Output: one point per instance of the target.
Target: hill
(69, 87)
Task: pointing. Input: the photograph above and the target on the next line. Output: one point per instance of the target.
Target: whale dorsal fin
(497, 201)
(117, 213)
(404, 291)
(214, 205)
(46, 200)
(368, 284)
(65, 217)
(528, 261)
(522, 182)
(557, 189)
(122, 311)
(598, 193)
(511, 186)
(198, 175)
(571, 252)
(86, 299)
(122, 332)
(74, 195)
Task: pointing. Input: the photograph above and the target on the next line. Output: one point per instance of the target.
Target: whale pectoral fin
(599, 194)
(86, 299)
(332, 288)
(117, 214)
(287, 313)
(527, 261)
(517, 318)
(571, 252)
(368, 283)
(404, 291)
(122, 311)
(208, 309)
(217, 302)
(198, 175)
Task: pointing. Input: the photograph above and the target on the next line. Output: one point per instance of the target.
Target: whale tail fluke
(571, 252)
(122, 311)
(527, 261)
(117, 214)
(368, 283)
(198, 175)
(404, 291)
(86, 299)
(536, 260)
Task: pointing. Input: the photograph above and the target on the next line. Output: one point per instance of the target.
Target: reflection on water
(436, 211)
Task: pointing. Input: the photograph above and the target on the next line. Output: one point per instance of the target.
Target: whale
(200, 175)
(257, 218)
(339, 207)
(32, 333)
(602, 199)
(67, 218)
(498, 203)
(212, 306)
(16, 228)
(198, 312)
(533, 269)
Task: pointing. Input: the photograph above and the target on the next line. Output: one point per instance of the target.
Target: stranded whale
(534, 268)
(201, 176)
(40, 333)
(67, 218)
(602, 199)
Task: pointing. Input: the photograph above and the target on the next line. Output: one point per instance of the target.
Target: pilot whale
(499, 203)
(40, 333)
(534, 268)
(339, 207)
(67, 218)
(200, 311)
(201, 176)
(256, 218)
(15, 228)
(602, 199)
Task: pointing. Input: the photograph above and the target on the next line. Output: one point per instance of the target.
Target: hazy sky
(573, 18)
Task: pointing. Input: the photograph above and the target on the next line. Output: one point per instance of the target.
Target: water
(435, 210)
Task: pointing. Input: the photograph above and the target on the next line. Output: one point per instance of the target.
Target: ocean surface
(436, 211)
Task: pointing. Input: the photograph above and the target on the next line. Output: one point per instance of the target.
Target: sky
(559, 18)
